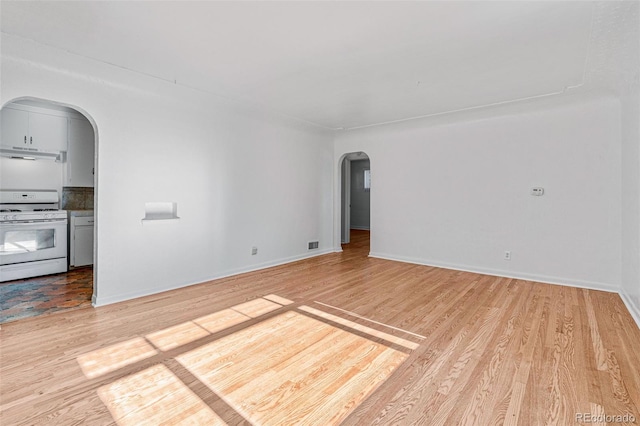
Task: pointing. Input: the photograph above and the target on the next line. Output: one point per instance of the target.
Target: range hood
(32, 154)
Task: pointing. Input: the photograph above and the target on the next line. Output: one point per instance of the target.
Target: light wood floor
(340, 338)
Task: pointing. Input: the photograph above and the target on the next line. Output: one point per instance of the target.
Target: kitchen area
(47, 222)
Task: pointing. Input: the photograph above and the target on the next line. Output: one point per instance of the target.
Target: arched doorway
(355, 198)
(46, 166)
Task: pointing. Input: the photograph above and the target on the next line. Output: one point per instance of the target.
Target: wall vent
(313, 245)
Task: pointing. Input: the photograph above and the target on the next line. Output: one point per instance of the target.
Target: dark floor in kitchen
(41, 295)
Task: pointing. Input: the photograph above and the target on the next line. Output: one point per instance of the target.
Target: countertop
(79, 213)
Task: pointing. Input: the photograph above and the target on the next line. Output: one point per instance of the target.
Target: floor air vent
(313, 245)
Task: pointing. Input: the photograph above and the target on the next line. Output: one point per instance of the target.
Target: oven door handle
(39, 222)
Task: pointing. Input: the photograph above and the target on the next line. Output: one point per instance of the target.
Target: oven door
(30, 241)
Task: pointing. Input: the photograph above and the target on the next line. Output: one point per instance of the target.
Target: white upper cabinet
(48, 132)
(15, 128)
(80, 157)
(33, 130)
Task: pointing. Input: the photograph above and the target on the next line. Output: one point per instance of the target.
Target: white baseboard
(500, 273)
(102, 301)
(633, 309)
(98, 301)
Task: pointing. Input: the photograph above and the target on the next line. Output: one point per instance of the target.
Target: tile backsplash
(77, 198)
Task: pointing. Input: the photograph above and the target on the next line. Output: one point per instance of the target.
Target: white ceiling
(335, 64)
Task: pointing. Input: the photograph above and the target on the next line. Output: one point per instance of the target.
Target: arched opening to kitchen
(48, 188)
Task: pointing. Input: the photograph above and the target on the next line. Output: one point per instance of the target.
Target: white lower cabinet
(81, 241)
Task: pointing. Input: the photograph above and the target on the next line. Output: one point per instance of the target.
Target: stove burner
(45, 210)
(9, 210)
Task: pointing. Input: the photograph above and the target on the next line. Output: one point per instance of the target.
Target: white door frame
(342, 182)
(346, 206)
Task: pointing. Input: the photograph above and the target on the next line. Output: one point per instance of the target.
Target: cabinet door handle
(25, 139)
(31, 140)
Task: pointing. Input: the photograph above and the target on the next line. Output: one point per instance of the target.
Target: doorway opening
(64, 162)
(355, 212)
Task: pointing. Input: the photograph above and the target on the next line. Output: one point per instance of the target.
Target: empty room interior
(320, 213)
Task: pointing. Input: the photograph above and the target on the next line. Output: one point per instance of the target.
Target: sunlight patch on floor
(221, 320)
(155, 396)
(278, 299)
(177, 335)
(256, 308)
(353, 314)
(362, 328)
(114, 357)
(292, 369)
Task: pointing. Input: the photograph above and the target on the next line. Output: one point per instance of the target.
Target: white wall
(630, 121)
(624, 78)
(241, 177)
(453, 191)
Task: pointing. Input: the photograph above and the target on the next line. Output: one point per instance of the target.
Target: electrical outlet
(507, 255)
(254, 251)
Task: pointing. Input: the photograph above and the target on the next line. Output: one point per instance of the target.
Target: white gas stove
(33, 234)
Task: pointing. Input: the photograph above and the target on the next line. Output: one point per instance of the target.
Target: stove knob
(3, 217)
